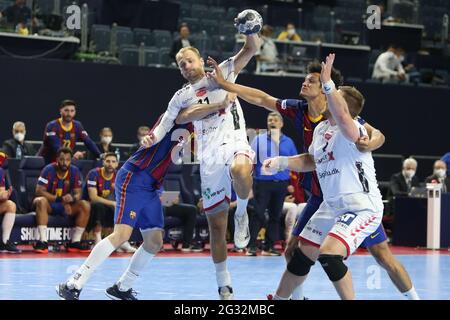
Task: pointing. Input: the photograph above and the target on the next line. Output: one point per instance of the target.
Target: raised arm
(201, 110)
(249, 49)
(336, 102)
(251, 95)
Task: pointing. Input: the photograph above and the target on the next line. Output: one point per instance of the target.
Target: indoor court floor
(176, 276)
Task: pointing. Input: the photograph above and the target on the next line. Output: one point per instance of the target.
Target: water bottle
(18, 152)
(117, 154)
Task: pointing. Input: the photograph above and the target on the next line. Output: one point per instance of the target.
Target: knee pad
(334, 266)
(299, 263)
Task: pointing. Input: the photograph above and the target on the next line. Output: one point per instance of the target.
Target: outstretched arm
(298, 163)
(336, 102)
(199, 111)
(251, 95)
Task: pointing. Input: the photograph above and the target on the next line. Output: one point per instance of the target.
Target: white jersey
(224, 127)
(341, 168)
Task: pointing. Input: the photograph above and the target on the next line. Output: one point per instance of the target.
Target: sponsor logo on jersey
(132, 215)
(208, 194)
(200, 92)
(326, 158)
(328, 135)
(328, 173)
(209, 130)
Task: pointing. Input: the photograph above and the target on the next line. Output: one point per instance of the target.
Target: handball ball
(249, 22)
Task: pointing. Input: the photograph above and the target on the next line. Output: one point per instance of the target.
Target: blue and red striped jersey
(2, 178)
(57, 185)
(105, 187)
(56, 136)
(156, 159)
(297, 111)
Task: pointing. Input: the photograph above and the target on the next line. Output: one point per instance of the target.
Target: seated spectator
(267, 55)
(440, 176)
(58, 192)
(289, 34)
(388, 65)
(402, 182)
(141, 133)
(181, 41)
(8, 210)
(99, 190)
(17, 147)
(446, 159)
(187, 213)
(105, 144)
(17, 13)
(65, 132)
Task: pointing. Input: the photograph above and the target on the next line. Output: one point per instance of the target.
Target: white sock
(277, 297)
(99, 254)
(42, 233)
(7, 225)
(241, 207)
(297, 294)
(77, 234)
(223, 277)
(411, 294)
(138, 261)
(98, 236)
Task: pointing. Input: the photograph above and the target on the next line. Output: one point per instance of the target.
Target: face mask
(106, 140)
(19, 137)
(409, 173)
(291, 32)
(440, 173)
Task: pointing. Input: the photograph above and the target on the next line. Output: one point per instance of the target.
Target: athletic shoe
(226, 293)
(270, 297)
(41, 247)
(271, 252)
(251, 252)
(197, 247)
(9, 247)
(77, 247)
(126, 247)
(66, 293)
(115, 294)
(186, 248)
(241, 231)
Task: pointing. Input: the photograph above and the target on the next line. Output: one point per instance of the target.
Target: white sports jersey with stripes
(352, 208)
(220, 136)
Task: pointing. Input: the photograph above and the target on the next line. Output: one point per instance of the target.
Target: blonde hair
(183, 50)
(354, 98)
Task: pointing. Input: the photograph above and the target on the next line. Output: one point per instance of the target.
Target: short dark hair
(355, 100)
(66, 103)
(182, 25)
(336, 76)
(110, 154)
(64, 150)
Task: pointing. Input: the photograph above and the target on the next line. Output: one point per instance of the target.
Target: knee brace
(334, 266)
(299, 263)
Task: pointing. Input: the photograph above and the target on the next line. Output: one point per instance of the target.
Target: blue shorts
(137, 201)
(57, 209)
(308, 211)
(377, 237)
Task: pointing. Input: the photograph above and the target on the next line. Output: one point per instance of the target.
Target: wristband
(283, 163)
(328, 87)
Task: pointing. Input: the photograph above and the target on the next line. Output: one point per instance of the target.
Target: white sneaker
(126, 247)
(241, 231)
(226, 293)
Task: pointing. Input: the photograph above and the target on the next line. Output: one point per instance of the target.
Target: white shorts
(216, 176)
(350, 219)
